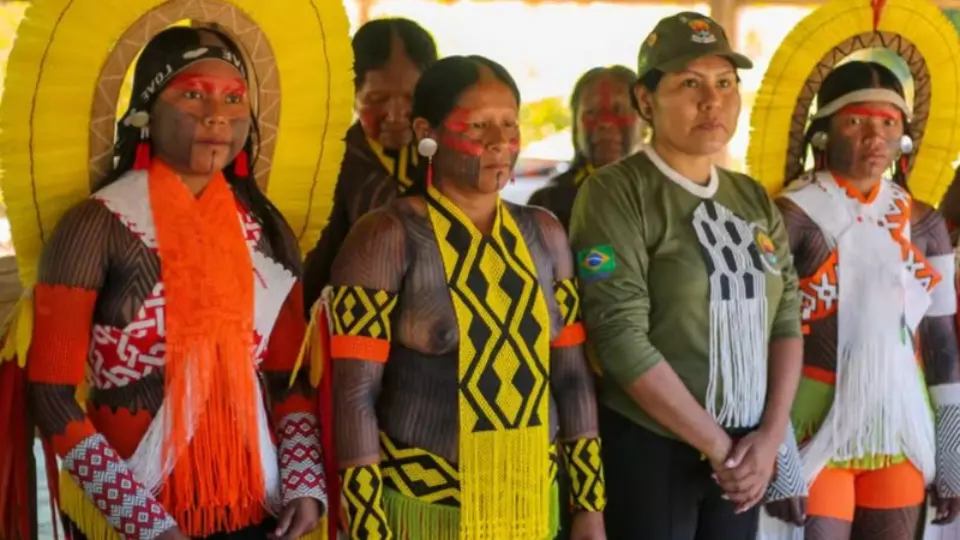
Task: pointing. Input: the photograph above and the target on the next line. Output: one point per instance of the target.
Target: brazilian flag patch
(596, 263)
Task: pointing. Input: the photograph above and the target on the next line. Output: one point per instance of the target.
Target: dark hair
(440, 87)
(850, 77)
(650, 81)
(373, 43)
(152, 59)
(621, 73)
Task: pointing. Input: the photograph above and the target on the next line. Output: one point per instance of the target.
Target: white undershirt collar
(703, 191)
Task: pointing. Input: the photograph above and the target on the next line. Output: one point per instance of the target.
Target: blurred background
(546, 45)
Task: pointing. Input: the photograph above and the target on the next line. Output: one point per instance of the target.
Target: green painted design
(810, 408)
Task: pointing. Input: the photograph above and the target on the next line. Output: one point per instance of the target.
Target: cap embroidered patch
(652, 39)
(596, 263)
(701, 31)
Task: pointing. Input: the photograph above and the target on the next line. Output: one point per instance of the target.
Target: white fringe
(148, 467)
(738, 361)
(879, 405)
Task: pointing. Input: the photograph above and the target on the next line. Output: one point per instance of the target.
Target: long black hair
(152, 60)
(373, 44)
(620, 73)
(850, 77)
(439, 89)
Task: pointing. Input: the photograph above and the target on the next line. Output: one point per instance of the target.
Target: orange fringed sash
(217, 483)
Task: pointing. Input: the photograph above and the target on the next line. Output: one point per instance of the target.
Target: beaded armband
(105, 479)
(301, 462)
(568, 301)
(361, 323)
(587, 490)
(362, 489)
(946, 402)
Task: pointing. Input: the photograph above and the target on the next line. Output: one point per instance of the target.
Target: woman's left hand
(588, 526)
(299, 517)
(947, 509)
(792, 510)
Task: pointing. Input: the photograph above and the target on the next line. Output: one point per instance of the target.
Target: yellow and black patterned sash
(424, 476)
(503, 372)
(399, 163)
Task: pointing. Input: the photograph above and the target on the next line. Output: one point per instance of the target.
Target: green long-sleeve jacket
(644, 278)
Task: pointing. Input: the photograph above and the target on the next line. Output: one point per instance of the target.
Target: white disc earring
(427, 147)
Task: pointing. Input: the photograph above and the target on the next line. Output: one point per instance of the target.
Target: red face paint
(606, 113)
(370, 119)
(468, 147)
(457, 121)
(869, 111)
(457, 126)
(210, 84)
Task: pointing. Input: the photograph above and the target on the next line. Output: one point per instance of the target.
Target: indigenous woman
(876, 265)
(457, 361)
(691, 305)
(173, 291)
(869, 438)
(389, 56)
(606, 128)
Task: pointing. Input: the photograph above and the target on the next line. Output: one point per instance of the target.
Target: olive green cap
(682, 38)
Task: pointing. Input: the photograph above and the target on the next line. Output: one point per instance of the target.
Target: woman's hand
(588, 526)
(792, 510)
(746, 473)
(947, 509)
(173, 533)
(298, 518)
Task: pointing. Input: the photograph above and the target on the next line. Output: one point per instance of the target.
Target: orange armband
(361, 323)
(62, 325)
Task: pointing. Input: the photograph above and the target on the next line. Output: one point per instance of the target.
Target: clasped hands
(744, 473)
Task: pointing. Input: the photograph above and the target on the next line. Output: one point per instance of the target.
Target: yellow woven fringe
(75, 504)
(513, 499)
(18, 330)
(413, 519)
(504, 473)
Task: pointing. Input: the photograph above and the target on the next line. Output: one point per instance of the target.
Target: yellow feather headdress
(63, 88)
(66, 84)
(917, 31)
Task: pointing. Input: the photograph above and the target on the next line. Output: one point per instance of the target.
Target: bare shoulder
(554, 238)
(374, 252)
(77, 253)
(921, 212)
